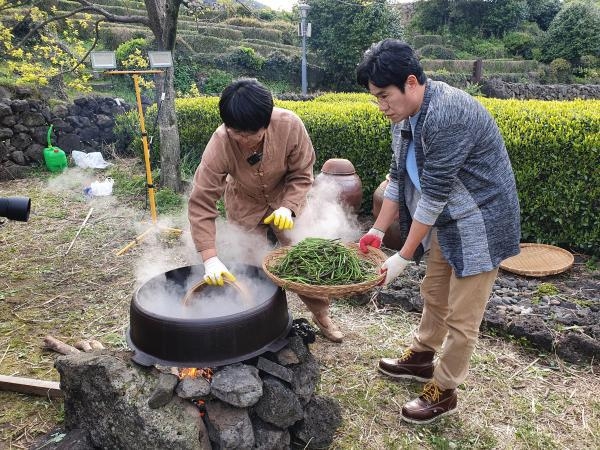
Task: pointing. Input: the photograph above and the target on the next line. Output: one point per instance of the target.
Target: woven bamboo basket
(538, 260)
(375, 256)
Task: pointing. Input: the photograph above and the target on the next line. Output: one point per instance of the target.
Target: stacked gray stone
(497, 88)
(567, 324)
(266, 403)
(86, 125)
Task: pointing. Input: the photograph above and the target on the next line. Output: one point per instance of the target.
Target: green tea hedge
(554, 147)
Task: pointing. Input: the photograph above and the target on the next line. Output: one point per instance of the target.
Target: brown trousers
(452, 313)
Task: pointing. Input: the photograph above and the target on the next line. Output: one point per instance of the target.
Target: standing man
(452, 184)
(262, 159)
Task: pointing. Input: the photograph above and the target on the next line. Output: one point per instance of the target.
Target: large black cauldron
(211, 331)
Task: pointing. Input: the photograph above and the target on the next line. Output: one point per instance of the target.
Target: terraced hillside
(439, 59)
(213, 34)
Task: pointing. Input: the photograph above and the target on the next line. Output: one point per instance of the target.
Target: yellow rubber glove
(215, 270)
(281, 218)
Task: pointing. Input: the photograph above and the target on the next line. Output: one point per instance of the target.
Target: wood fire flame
(193, 372)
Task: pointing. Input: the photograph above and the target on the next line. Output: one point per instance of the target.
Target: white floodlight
(160, 60)
(103, 60)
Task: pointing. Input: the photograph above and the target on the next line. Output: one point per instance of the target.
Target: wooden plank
(30, 386)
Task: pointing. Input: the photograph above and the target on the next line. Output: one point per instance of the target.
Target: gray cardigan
(468, 189)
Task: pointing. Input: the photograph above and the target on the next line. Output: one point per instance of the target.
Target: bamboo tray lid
(538, 260)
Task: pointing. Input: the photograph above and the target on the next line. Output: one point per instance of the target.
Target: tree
(59, 50)
(574, 32)
(342, 31)
(161, 20)
(543, 12)
(432, 16)
(503, 16)
(162, 15)
(467, 17)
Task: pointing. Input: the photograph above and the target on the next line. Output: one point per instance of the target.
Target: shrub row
(245, 22)
(137, 9)
(489, 65)
(266, 34)
(209, 44)
(529, 77)
(285, 48)
(265, 49)
(131, 4)
(433, 51)
(456, 79)
(554, 148)
(420, 40)
(215, 45)
(220, 32)
(127, 8)
(112, 36)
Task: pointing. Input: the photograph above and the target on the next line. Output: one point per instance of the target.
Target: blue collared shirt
(411, 157)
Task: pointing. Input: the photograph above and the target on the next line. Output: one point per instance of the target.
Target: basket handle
(241, 288)
(191, 291)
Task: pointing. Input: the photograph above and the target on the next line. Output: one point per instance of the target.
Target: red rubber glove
(372, 238)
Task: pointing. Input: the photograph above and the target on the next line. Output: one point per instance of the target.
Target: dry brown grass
(513, 398)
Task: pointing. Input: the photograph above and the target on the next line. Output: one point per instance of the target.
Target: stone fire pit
(268, 402)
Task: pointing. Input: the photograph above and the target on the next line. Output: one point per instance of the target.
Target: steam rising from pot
(163, 296)
(325, 216)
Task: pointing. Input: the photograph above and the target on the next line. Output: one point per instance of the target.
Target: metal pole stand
(149, 183)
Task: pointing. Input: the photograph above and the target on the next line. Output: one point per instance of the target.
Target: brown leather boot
(411, 365)
(432, 404)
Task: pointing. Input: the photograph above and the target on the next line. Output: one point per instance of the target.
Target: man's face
(398, 105)
(247, 140)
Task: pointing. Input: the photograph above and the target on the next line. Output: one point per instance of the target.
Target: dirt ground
(62, 279)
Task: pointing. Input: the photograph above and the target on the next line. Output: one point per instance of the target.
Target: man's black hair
(389, 62)
(246, 105)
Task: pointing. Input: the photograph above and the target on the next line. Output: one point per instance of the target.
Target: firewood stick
(30, 386)
(80, 228)
(83, 345)
(59, 346)
(96, 345)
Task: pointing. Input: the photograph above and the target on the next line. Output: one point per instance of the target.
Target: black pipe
(15, 208)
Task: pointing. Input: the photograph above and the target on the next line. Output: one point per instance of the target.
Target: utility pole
(304, 32)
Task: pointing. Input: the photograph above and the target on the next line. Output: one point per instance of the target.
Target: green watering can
(55, 158)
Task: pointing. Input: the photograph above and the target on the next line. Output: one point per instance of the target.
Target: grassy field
(513, 398)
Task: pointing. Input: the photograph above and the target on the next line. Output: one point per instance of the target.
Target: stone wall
(86, 125)
(496, 88)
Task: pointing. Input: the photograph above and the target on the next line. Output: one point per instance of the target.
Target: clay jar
(392, 235)
(342, 172)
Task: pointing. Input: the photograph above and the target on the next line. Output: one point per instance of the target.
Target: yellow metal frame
(149, 182)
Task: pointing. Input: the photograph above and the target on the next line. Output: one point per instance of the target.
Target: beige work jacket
(283, 177)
